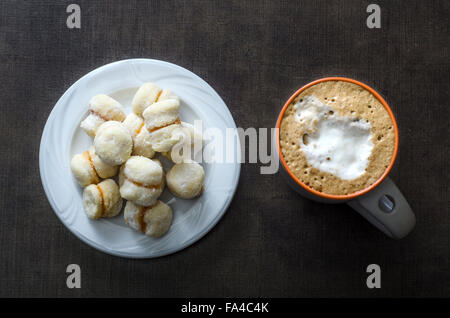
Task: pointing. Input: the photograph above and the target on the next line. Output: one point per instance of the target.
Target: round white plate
(62, 138)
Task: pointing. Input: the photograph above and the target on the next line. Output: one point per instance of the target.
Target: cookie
(141, 180)
(153, 221)
(102, 200)
(188, 147)
(102, 108)
(185, 180)
(141, 136)
(88, 168)
(162, 114)
(113, 143)
(145, 96)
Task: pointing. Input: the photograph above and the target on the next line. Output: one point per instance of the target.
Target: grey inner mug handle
(387, 209)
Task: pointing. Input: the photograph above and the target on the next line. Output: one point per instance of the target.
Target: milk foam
(338, 145)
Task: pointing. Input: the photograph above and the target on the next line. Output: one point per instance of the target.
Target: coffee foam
(339, 145)
(347, 100)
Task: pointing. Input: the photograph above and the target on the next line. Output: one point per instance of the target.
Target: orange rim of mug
(336, 196)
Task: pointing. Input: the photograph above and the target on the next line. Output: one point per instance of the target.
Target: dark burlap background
(270, 242)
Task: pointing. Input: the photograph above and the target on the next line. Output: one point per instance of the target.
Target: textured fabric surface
(271, 242)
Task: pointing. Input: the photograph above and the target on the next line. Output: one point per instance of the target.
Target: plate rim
(93, 244)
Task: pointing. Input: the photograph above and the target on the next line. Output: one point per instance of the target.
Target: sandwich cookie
(185, 180)
(161, 120)
(113, 143)
(102, 200)
(88, 168)
(102, 108)
(141, 136)
(141, 180)
(162, 114)
(153, 221)
(145, 96)
(188, 147)
(148, 94)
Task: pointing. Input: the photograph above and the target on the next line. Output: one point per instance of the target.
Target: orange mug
(382, 203)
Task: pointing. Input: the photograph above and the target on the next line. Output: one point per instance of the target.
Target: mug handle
(387, 209)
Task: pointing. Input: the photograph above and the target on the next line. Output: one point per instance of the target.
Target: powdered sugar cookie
(88, 168)
(146, 95)
(141, 136)
(141, 180)
(102, 200)
(102, 108)
(185, 180)
(113, 143)
(153, 221)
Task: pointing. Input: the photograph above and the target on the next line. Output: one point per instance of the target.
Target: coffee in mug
(337, 138)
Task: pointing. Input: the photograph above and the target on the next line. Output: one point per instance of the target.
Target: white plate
(62, 138)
